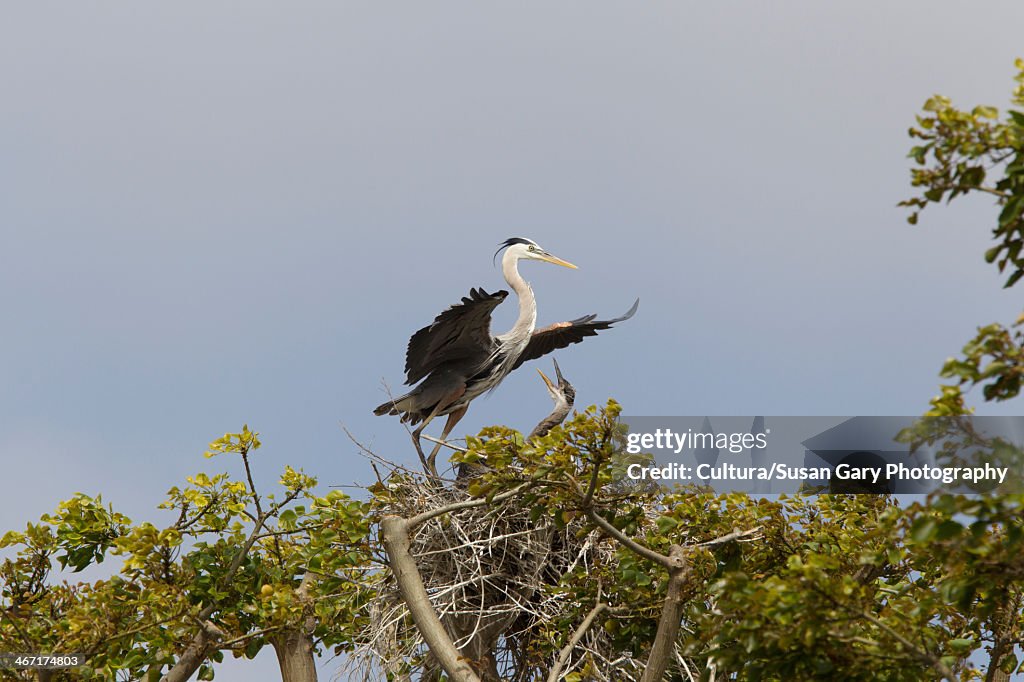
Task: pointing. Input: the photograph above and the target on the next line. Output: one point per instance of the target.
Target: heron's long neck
(557, 416)
(524, 325)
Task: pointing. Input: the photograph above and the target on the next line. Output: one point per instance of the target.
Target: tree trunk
(671, 618)
(294, 651)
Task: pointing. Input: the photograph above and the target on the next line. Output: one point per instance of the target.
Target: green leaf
(923, 530)
(1009, 664)
(948, 529)
(253, 647)
(961, 646)
(983, 111)
(973, 176)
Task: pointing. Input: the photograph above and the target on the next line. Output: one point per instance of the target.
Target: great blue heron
(458, 359)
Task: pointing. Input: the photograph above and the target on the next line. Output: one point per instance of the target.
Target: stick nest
(492, 574)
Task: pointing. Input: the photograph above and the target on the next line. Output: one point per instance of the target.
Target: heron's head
(527, 249)
(562, 393)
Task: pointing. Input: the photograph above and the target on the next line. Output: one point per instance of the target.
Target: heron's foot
(432, 459)
(419, 449)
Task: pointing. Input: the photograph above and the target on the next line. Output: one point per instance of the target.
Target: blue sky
(211, 216)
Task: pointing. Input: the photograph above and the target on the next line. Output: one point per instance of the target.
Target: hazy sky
(221, 213)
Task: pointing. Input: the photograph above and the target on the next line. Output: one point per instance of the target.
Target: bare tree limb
(566, 652)
(465, 504)
(729, 537)
(395, 534)
(445, 443)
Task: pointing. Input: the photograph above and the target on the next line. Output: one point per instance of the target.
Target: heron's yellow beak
(557, 261)
(551, 386)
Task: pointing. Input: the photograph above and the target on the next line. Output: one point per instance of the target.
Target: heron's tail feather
(386, 408)
(393, 406)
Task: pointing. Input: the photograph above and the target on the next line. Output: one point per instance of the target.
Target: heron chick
(563, 394)
(456, 358)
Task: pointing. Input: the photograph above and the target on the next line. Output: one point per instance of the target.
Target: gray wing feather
(562, 334)
(462, 332)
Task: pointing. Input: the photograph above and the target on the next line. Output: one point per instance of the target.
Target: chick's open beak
(551, 386)
(558, 372)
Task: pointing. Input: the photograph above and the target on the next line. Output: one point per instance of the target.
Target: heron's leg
(453, 419)
(428, 464)
(416, 437)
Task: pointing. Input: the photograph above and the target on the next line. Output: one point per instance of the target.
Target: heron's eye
(533, 248)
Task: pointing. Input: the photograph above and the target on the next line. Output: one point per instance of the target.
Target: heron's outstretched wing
(463, 331)
(562, 334)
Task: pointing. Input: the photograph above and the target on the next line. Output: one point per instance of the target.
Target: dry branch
(395, 534)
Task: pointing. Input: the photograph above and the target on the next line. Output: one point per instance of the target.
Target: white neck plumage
(527, 320)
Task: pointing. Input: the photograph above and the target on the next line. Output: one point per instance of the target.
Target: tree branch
(464, 504)
(628, 542)
(671, 617)
(923, 655)
(395, 534)
(566, 652)
(729, 537)
(195, 653)
(1002, 623)
(252, 486)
